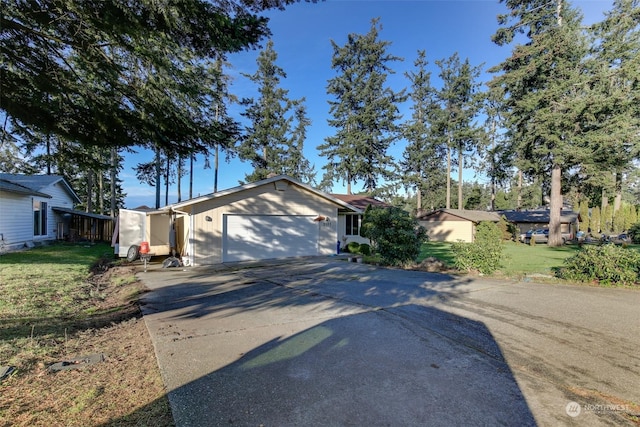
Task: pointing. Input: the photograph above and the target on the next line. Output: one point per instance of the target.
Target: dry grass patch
(126, 389)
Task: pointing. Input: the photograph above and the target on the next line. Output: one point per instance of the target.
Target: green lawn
(518, 260)
(46, 293)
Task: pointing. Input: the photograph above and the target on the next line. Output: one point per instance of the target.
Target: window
(39, 218)
(353, 225)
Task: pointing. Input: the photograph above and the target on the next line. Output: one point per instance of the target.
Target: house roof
(82, 213)
(274, 179)
(538, 216)
(470, 215)
(34, 184)
(360, 201)
(12, 187)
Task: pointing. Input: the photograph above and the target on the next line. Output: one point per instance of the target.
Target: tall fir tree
(421, 165)
(113, 72)
(541, 80)
(611, 117)
(274, 138)
(364, 112)
(460, 104)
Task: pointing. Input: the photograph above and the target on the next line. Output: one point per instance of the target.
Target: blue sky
(302, 37)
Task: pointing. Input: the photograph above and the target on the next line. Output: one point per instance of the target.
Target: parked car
(540, 235)
(619, 239)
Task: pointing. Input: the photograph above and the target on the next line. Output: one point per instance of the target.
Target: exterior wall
(449, 230)
(16, 216)
(205, 239)
(59, 198)
(16, 220)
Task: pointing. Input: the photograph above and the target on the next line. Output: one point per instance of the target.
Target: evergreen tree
(541, 81)
(113, 72)
(611, 118)
(275, 137)
(364, 112)
(460, 103)
(583, 210)
(421, 164)
(494, 148)
(595, 220)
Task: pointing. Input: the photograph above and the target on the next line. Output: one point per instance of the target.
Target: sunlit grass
(44, 290)
(518, 259)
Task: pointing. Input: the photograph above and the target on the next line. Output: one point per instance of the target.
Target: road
(320, 341)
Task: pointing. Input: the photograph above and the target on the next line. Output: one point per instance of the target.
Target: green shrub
(634, 232)
(608, 264)
(508, 229)
(364, 249)
(484, 254)
(353, 247)
(394, 234)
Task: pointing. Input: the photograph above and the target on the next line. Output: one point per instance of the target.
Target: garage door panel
(251, 237)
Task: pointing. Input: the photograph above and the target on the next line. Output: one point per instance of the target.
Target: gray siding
(16, 215)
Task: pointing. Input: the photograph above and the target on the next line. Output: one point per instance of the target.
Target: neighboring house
(536, 219)
(277, 217)
(349, 222)
(453, 225)
(39, 208)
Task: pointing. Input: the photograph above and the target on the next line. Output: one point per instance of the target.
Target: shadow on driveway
(325, 345)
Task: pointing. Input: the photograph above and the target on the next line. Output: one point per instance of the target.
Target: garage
(251, 237)
(277, 217)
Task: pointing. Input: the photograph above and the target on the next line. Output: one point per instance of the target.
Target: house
(453, 225)
(535, 219)
(37, 209)
(349, 222)
(277, 217)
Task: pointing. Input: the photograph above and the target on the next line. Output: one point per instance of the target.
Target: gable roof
(12, 187)
(360, 201)
(274, 179)
(538, 216)
(469, 215)
(34, 184)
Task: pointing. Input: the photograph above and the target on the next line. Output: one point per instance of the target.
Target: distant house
(535, 219)
(39, 208)
(453, 225)
(349, 221)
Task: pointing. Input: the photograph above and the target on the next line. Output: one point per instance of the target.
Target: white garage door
(251, 237)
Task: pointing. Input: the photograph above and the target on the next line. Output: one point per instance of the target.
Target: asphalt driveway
(320, 341)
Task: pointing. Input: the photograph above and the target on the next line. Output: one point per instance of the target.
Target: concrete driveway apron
(320, 341)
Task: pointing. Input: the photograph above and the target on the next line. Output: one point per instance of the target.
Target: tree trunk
(448, 202)
(519, 204)
(555, 207)
(89, 192)
(617, 201)
(166, 183)
(114, 176)
(191, 176)
(215, 168)
(101, 190)
(158, 178)
(179, 179)
(460, 165)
